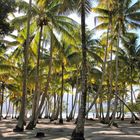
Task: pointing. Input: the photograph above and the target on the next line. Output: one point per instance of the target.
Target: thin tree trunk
(21, 120)
(78, 133)
(54, 107)
(132, 117)
(7, 112)
(126, 106)
(13, 110)
(32, 123)
(46, 87)
(76, 96)
(67, 105)
(2, 101)
(108, 104)
(87, 105)
(61, 98)
(123, 98)
(116, 80)
(46, 110)
(96, 109)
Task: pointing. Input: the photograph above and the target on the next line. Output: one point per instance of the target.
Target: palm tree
(123, 20)
(78, 132)
(50, 20)
(120, 14)
(20, 125)
(130, 57)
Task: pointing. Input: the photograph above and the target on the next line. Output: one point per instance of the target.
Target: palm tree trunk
(2, 101)
(108, 104)
(78, 133)
(87, 105)
(96, 110)
(13, 110)
(67, 105)
(21, 120)
(46, 87)
(102, 79)
(126, 106)
(76, 96)
(32, 123)
(54, 107)
(132, 117)
(7, 112)
(61, 98)
(116, 80)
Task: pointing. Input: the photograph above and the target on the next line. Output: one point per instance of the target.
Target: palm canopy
(123, 14)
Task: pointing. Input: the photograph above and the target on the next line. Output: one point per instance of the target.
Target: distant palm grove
(51, 65)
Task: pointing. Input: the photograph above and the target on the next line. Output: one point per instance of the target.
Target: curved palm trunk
(48, 80)
(67, 105)
(54, 107)
(56, 113)
(32, 123)
(75, 99)
(13, 110)
(2, 101)
(46, 110)
(116, 81)
(117, 96)
(61, 98)
(21, 120)
(122, 117)
(107, 119)
(8, 109)
(96, 109)
(108, 104)
(131, 71)
(78, 133)
(102, 78)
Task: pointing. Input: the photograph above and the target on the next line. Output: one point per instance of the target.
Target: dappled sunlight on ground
(53, 131)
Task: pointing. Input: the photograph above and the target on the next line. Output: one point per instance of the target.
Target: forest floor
(53, 131)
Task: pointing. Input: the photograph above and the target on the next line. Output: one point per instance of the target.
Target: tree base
(132, 121)
(136, 118)
(5, 117)
(40, 134)
(24, 123)
(122, 119)
(39, 117)
(18, 129)
(68, 119)
(30, 126)
(77, 136)
(60, 121)
(103, 121)
(115, 124)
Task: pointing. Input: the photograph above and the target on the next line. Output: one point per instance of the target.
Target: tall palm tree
(21, 121)
(121, 18)
(130, 57)
(78, 132)
(50, 20)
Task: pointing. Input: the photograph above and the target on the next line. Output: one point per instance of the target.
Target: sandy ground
(93, 131)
